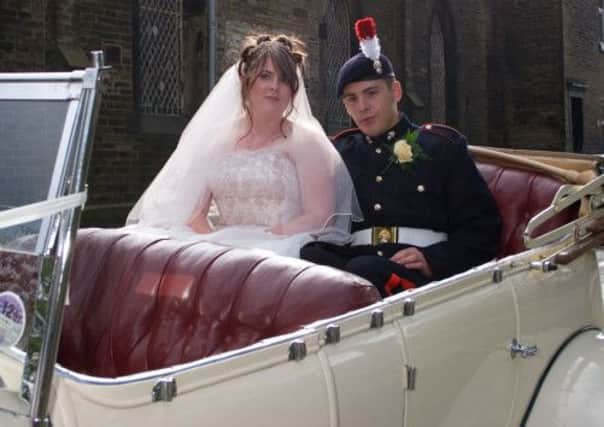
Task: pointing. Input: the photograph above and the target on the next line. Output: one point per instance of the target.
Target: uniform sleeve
(473, 220)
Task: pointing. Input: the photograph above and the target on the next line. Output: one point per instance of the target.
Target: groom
(428, 213)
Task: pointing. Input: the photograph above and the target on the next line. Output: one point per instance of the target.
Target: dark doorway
(576, 105)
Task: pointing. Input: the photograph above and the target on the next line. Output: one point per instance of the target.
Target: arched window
(438, 88)
(335, 50)
(159, 57)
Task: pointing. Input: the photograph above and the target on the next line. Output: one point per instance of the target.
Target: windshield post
(55, 244)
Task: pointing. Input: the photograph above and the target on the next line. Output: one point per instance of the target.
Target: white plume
(371, 48)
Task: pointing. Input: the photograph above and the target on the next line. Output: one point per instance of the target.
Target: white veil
(176, 191)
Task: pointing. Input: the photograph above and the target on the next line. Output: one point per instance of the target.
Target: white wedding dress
(251, 190)
(256, 187)
(256, 190)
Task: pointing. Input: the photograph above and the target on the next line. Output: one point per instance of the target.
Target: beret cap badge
(366, 32)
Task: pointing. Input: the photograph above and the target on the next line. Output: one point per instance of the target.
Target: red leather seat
(139, 302)
(520, 195)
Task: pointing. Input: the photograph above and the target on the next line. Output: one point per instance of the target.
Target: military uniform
(438, 189)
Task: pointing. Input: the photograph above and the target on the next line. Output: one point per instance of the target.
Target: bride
(254, 168)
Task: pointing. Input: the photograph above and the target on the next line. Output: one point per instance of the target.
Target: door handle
(525, 351)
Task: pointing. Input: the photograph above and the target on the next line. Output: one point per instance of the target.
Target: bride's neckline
(273, 146)
(277, 139)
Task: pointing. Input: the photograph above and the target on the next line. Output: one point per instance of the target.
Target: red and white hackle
(366, 31)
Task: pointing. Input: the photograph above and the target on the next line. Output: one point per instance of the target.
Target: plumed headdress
(369, 64)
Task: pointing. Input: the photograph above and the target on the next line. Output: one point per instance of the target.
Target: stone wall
(115, 169)
(533, 76)
(584, 65)
(22, 35)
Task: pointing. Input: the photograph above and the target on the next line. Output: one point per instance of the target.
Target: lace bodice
(256, 187)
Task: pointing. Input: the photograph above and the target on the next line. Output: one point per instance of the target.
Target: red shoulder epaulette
(445, 131)
(343, 133)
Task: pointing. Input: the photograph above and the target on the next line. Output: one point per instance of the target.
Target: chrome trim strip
(177, 369)
(42, 77)
(323, 323)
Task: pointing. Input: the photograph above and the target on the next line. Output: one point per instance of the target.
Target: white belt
(412, 236)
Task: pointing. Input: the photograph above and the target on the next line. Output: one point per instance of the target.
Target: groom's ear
(397, 91)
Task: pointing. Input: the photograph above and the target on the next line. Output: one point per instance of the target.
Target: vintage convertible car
(111, 327)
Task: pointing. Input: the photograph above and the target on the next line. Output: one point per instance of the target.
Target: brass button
(377, 207)
(380, 253)
(378, 179)
(421, 188)
(378, 150)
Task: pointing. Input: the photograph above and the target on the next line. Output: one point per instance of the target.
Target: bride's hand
(199, 226)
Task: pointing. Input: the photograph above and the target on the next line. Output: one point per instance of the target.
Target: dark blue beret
(359, 68)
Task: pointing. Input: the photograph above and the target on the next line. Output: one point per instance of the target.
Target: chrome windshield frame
(82, 90)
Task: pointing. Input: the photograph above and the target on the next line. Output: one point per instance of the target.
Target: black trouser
(363, 261)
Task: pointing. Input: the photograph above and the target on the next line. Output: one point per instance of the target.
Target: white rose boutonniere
(403, 151)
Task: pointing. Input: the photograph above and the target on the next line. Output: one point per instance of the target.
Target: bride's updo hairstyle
(287, 54)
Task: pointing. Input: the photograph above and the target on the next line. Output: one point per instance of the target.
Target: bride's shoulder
(310, 143)
(304, 131)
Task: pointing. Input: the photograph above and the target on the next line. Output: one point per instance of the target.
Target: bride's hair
(287, 54)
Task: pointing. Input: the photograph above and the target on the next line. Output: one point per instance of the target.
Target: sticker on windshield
(12, 318)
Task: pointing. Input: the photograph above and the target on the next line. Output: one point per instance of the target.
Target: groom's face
(373, 104)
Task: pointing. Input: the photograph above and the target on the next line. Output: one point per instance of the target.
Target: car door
(456, 336)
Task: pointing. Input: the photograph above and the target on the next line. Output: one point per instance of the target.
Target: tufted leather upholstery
(139, 302)
(520, 195)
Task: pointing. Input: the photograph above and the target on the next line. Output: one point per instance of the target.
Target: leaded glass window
(159, 57)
